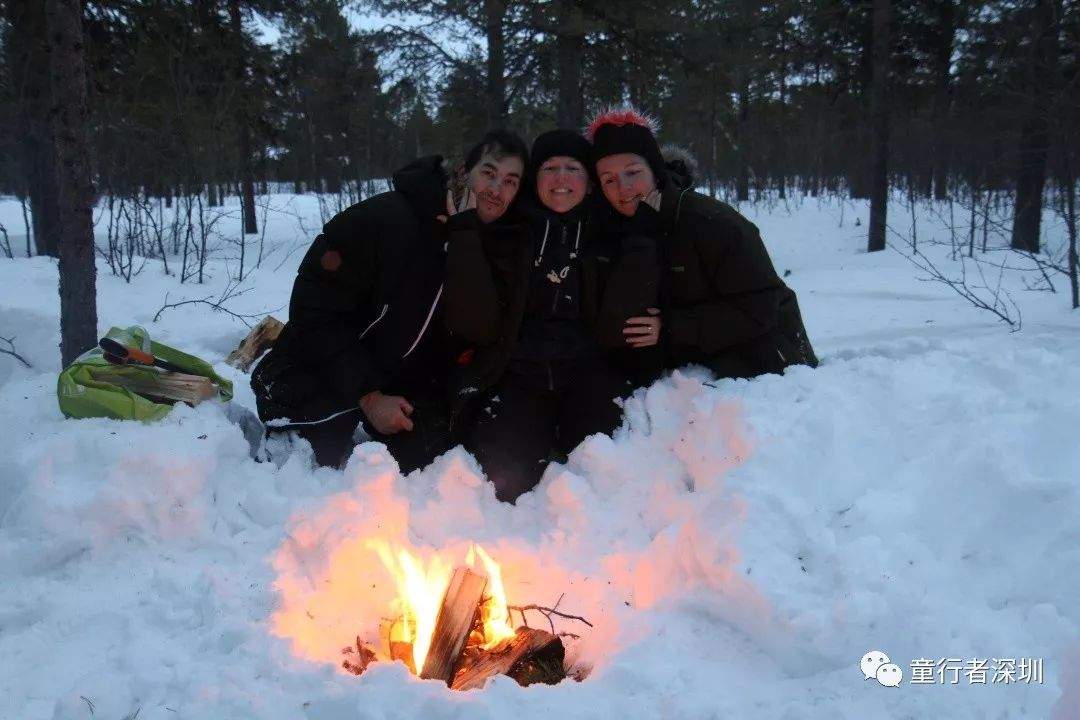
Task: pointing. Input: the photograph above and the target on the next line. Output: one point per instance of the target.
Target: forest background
(190, 101)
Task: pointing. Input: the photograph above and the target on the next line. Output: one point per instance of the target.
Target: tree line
(189, 101)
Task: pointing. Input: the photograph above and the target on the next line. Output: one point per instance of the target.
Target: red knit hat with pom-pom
(626, 130)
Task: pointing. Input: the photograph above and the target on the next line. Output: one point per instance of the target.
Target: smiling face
(495, 183)
(625, 180)
(561, 183)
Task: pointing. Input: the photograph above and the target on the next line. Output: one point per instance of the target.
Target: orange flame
(495, 614)
(421, 589)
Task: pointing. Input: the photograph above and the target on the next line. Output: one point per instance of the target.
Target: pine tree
(78, 277)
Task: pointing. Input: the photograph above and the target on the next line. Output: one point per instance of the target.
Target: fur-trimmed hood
(681, 165)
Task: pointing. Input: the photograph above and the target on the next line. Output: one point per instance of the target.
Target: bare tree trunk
(1070, 222)
(78, 277)
(860, 171)
(494, 14)
(974, 220)
(781, 138)
(879, 117)
(27, 55)
(26, 224)
(712, 146)
(1030, 183)
(742, 188)
(942, 111)
(570, 47)
(247, 183)
(1035, 129)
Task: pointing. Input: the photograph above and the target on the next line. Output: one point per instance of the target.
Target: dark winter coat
(362, 312)
(499, 304)
(722, 303)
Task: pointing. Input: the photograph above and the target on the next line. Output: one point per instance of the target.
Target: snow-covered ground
(739, 546)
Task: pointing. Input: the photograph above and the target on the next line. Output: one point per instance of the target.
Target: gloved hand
(464, 220)
(646, 219)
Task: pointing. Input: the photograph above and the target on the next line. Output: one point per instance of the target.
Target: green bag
(84, 391)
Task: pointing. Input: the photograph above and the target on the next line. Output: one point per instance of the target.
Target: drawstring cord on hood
(543, 243)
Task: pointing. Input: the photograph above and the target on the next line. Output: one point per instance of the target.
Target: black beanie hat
(626, 130)
(555, 143)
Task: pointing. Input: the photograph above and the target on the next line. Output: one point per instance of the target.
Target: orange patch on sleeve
(331, 260)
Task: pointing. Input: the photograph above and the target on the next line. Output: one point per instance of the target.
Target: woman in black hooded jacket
(722, 303)
(530, 306)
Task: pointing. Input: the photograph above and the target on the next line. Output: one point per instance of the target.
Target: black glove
(645, 221)
(464, 220)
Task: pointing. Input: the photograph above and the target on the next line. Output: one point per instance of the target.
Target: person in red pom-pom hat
(721, 301)
(532, 299)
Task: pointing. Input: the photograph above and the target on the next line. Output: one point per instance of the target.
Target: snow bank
(739, 545)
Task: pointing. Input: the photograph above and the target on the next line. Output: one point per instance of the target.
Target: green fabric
(82, 395)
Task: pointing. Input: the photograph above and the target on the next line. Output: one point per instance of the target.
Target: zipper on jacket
(551, 378)
(375, 321)
(573, 255)
(427, 321)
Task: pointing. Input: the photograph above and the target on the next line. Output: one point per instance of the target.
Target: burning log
(532, 655)
(403, 651)
(467, 637)
(455, 621)
(261, 337)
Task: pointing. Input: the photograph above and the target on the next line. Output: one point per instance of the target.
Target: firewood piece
(172, 386)
(504, 656)
(455, 621)
(358, 657)
(403, 651)
(261, 337)
(545, 665)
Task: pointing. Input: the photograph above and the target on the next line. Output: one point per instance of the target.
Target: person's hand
(646, 218)
(643, 331)
(388, 414)
(468, 202)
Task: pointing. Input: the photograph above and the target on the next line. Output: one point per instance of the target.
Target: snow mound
(738, 545)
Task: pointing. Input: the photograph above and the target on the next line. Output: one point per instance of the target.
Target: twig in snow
(999, 303)
(547, 612)
(229, 293)
(11, 351)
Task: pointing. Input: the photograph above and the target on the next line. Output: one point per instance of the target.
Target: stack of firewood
(163, 386)
(457, 656)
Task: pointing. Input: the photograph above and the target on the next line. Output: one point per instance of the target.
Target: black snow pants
(284, 389)
(540, 411)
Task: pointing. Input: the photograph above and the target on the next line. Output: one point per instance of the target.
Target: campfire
(453, 623)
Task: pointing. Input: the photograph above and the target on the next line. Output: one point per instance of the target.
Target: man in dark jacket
(363, 341)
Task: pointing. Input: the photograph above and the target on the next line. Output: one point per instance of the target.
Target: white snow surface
(738, 545)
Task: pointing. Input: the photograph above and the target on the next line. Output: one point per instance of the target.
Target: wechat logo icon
(876, 664)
